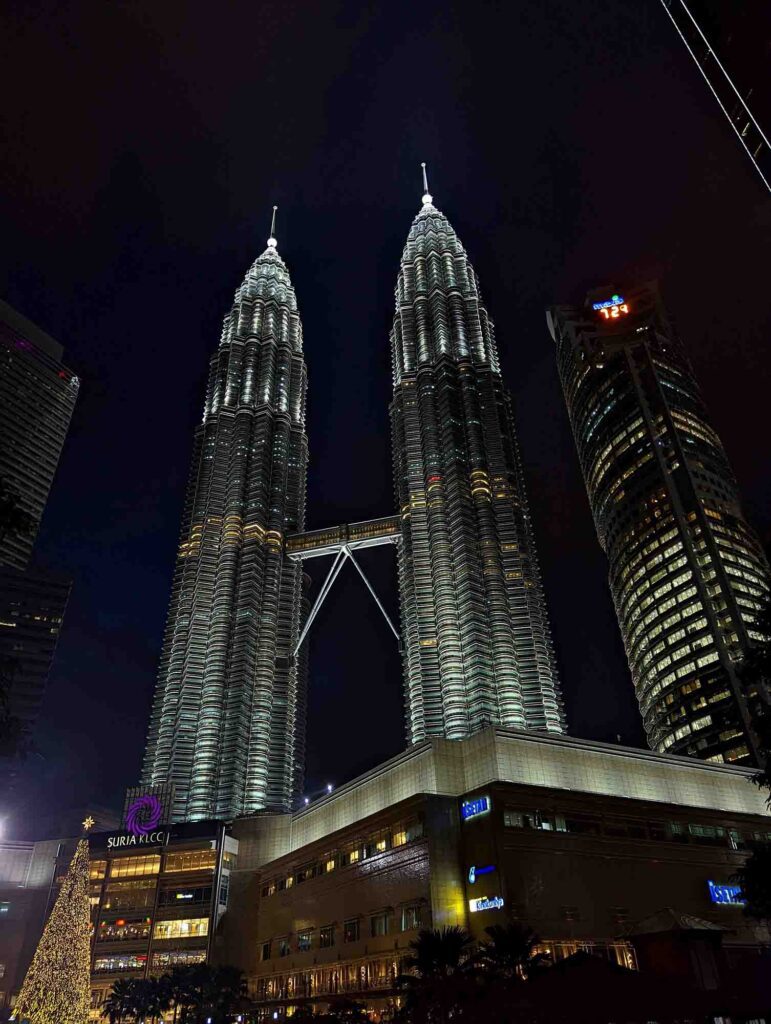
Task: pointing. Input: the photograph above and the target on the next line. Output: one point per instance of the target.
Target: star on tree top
(88, 823)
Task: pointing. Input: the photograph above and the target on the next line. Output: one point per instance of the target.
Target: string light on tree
(57, 987)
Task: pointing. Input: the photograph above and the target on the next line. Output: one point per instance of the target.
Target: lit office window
(183, 929)
(127, 867)
(120, 962)
(410, 918)
(97, 869)
(191, 860)
(178, 957)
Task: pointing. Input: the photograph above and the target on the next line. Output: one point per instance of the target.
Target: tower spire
(272, 243)
(427, 197)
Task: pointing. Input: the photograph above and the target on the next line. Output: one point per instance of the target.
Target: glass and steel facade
(32, 606)
(687, 573)
(227, 726)
(156, 906)
(37, 397)
(475, 634)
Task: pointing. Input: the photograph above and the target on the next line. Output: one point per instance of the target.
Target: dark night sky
(570, 144)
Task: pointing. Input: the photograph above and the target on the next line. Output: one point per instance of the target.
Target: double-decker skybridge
(341, 541)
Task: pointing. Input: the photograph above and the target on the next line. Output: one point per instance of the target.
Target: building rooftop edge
(31, 332)
(537, 739)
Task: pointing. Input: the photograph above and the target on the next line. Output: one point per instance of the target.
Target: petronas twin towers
(228, 722)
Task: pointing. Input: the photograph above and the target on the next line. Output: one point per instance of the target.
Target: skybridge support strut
(344, 553)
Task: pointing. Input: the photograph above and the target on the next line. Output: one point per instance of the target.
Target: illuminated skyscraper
(476, 639)
(687, 574)
(227, 727)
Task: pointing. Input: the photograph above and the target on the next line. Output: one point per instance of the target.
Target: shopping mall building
(621, 852)
(156, 901)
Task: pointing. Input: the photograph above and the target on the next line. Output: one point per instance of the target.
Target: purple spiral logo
(143, 815)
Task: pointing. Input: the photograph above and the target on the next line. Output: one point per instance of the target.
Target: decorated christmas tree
(57, 988)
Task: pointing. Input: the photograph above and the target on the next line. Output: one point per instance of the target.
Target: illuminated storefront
(157, 894)
(327, 900)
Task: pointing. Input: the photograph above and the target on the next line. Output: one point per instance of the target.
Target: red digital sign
(612, 308)
(614, 312)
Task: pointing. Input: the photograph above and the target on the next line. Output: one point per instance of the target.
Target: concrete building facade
(581, 841)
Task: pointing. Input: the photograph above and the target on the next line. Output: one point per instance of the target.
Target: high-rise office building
(37, 396)
(32, 605)
(687, 573)
(729, 44)
(227, 724)
(475, 634)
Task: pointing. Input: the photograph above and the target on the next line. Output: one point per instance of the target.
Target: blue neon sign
(474, 872)
(614, 300)
(728, 895)
(472, 808)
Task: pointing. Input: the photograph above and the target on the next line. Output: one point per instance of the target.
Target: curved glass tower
(227, 726)
(687, 574)
(476, 642)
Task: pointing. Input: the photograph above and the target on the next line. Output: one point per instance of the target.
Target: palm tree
(158, 997)
(120, 1002)
(198, 991)
(345, 1011)
(509, 955)
(185, 985)
(754, 880)
(225, 992)
(441, 978)
(141, 999)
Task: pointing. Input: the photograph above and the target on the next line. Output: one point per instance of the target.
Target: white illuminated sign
(485, 903)
(126, 839)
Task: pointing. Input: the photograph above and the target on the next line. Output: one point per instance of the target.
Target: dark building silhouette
(32, 606)
(37, 398)
(687, 573)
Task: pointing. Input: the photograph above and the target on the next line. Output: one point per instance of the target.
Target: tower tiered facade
(228, 722)
(687, 573)
(475, 634)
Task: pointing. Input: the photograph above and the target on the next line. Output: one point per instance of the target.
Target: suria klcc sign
(143, 817)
